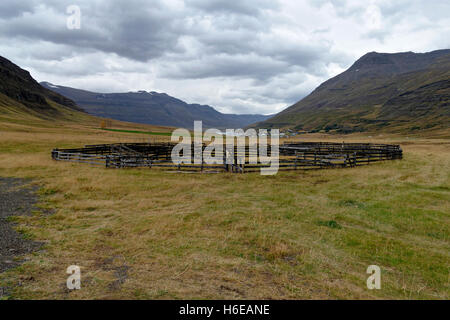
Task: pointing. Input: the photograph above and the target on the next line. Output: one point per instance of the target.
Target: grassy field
(152, 234)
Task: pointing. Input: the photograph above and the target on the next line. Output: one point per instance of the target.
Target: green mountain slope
(394, 92)
(20, 93)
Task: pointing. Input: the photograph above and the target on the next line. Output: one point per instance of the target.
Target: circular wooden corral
(292, 156)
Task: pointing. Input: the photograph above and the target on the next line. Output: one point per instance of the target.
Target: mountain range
(400, 92)
(153, 108)
(393, 92)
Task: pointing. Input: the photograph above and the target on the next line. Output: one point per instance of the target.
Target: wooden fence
(292, 156)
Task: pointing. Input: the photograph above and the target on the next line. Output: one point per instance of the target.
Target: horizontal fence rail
(292, 156)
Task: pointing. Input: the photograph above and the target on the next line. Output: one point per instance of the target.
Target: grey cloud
(41, 51)
(342, 7)
(140, 32)
(130, 29)
(286, 89)
(251, 66)
(250, 7)
(13, 9)
(135, 29)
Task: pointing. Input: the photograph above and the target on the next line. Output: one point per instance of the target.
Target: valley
(152, 234)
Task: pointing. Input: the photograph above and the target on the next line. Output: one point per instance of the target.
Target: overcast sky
(254, 56)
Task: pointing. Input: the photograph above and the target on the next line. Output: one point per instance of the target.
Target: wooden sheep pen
(292, 156)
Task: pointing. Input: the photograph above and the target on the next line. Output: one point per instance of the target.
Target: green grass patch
(140, 132)
(330, 224)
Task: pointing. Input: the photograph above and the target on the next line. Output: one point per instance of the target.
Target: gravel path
(16, 198)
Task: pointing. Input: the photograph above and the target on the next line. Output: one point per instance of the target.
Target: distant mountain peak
(400, 61)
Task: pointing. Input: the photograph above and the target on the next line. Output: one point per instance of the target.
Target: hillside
(394, 92)
(20, 92)
(153, 108)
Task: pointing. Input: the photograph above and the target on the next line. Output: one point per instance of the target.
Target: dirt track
(16, 198)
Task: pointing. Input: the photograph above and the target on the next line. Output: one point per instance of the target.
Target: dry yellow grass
(152, 234)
